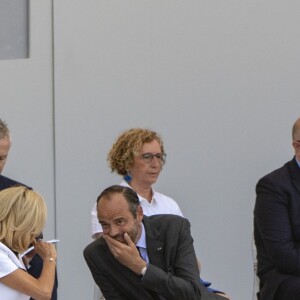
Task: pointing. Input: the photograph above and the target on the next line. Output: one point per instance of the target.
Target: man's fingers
(108, 240)
(109, 244)
(128, 240)
(118, 246)
(112, 243)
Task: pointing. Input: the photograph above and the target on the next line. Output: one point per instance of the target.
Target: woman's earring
(127, 177)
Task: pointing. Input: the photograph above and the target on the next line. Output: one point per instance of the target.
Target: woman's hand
(27, 258)
(45, 250)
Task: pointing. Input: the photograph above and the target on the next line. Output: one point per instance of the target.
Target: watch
(143, 271)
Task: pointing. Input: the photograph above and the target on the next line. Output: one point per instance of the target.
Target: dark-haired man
(141, 257)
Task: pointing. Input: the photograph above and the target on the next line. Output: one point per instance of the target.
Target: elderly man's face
(4, 148)
(116, 218)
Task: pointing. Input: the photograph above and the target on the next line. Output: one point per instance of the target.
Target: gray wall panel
(14, 26)
(218, 80)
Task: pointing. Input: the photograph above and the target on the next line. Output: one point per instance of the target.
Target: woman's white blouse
(9, 262)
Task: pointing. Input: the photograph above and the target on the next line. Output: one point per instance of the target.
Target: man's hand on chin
(126, 254)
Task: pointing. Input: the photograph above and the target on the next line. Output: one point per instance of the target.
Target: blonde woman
(23, 215)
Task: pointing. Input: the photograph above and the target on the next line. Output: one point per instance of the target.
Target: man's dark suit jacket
(277, 227)
(36, 262)
(6, 183)
(172, 273)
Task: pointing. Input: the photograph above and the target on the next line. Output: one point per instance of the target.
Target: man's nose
(114, 231)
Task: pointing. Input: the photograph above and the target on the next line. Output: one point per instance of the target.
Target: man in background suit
(36, 263)
(277, 228)
(141, 257)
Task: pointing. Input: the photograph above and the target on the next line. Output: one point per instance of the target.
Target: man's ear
(139, 213)
(296, 145)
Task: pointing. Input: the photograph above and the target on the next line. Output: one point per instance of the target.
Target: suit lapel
(295, 173)
(155, 247)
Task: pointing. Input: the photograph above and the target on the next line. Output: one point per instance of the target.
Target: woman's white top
(9, 262)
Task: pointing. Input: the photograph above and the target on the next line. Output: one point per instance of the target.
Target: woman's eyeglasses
(148, 157)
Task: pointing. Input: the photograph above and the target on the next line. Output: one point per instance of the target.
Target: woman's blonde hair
(23, 214)
(128, 144)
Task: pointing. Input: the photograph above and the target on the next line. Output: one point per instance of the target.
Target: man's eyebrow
(119, 218)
